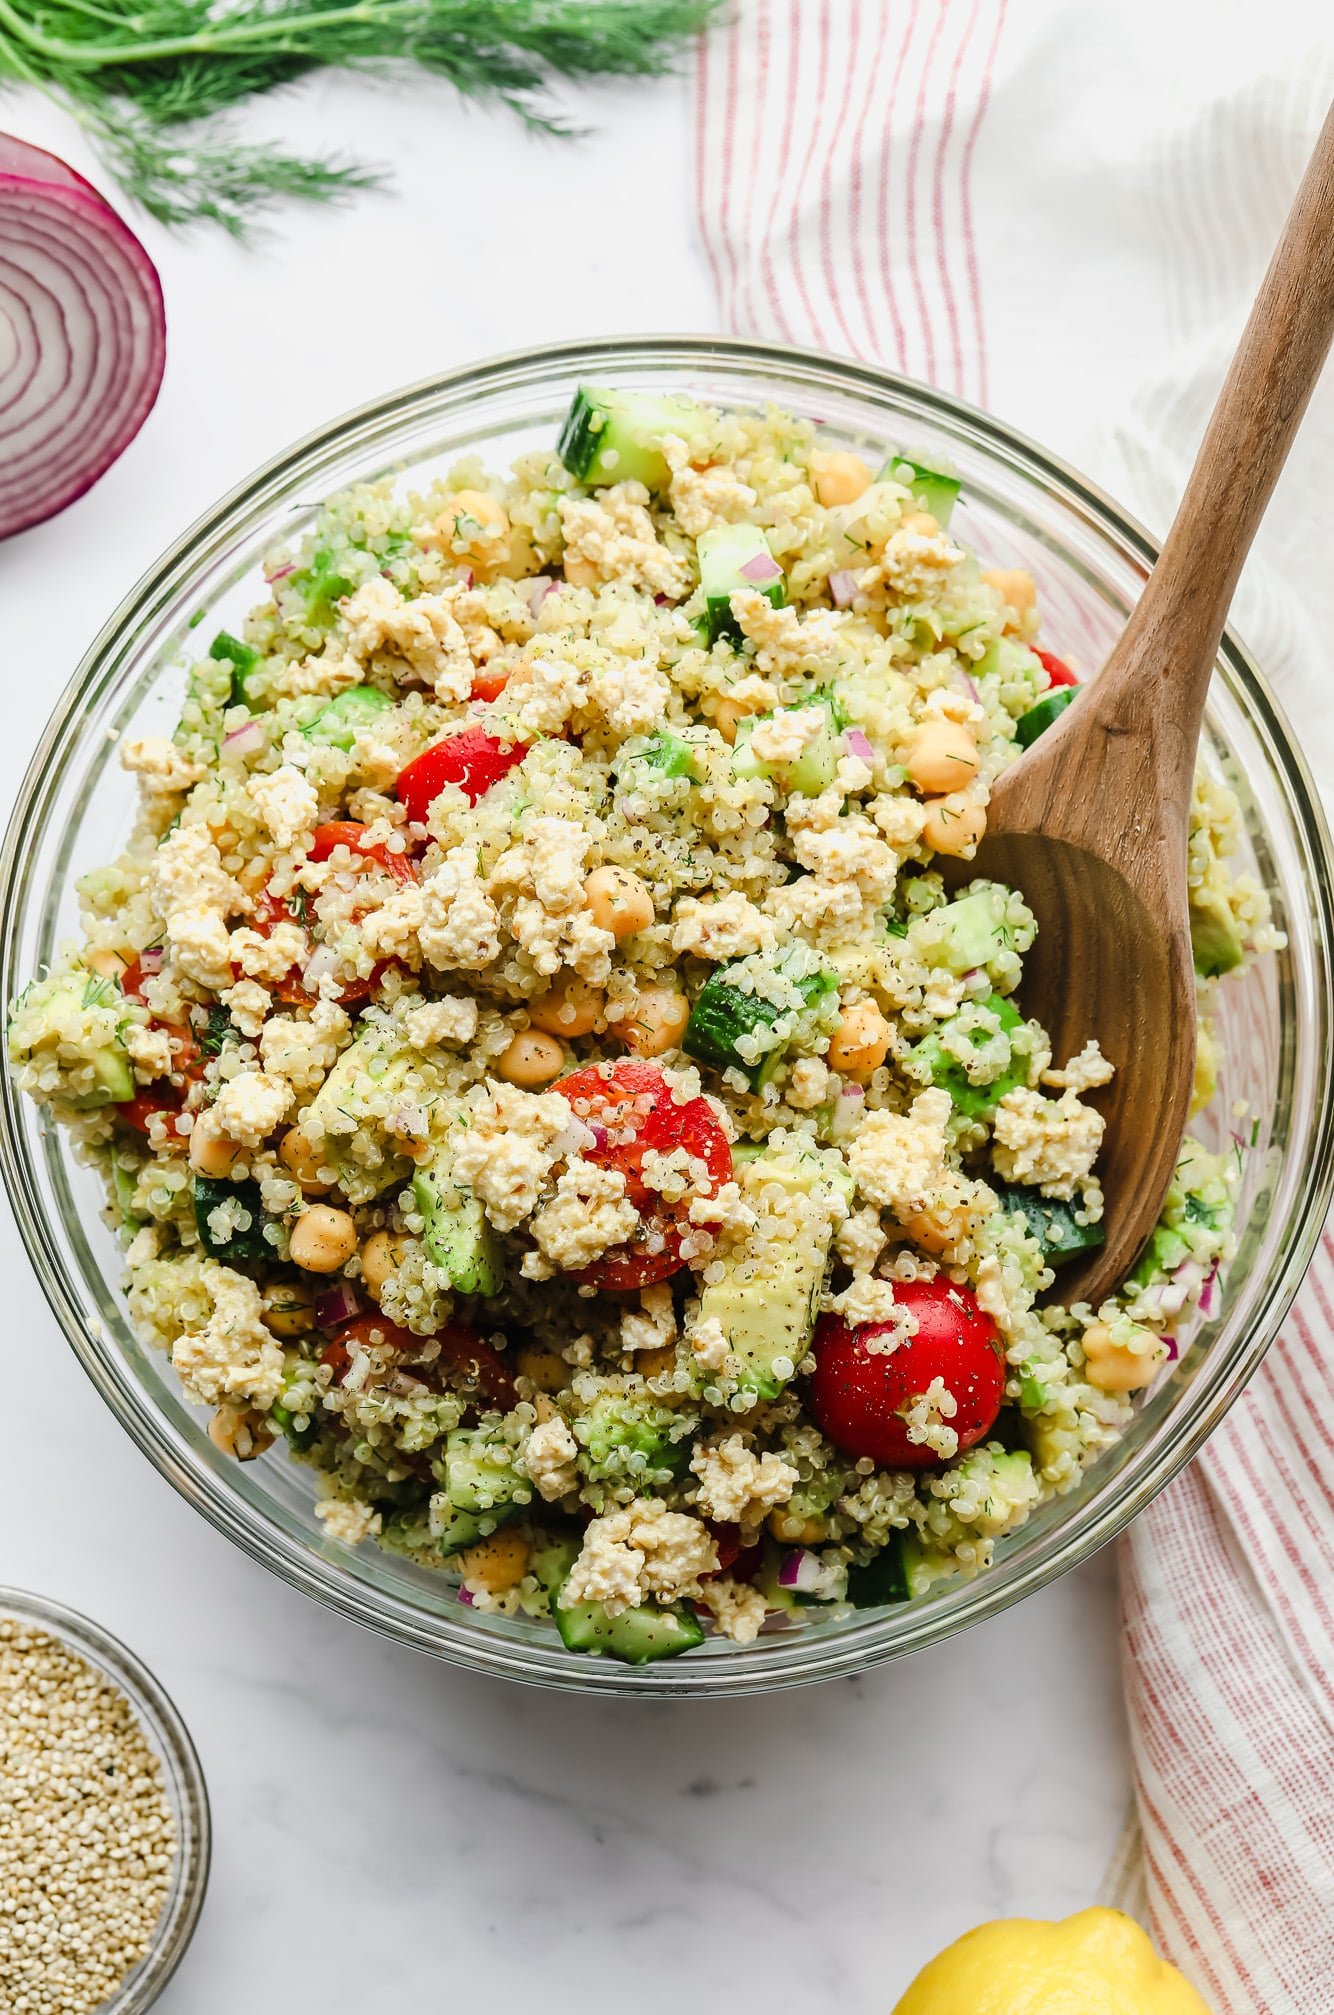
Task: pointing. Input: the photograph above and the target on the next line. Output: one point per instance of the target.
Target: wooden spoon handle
(1159, 671)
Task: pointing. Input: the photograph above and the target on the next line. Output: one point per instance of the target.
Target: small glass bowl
(182, 1781)
(1020, 508)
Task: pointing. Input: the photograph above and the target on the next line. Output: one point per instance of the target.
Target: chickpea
(1015, 586)
(496, 1564)
(922, 523)
(108, 964)
(474, 526)
(729, 712)
(790, 1528)
(546, 1369)
(860, 1043)
(1119, 1367)
(952, 826)
(571, 1007)
(211, 1152)
(531, 1059)
(300, 1159)
(658, 1021)
(323, 1239)
(240, 1431)
(620, 902)
(381, 1257)
(942, 756)
(653, 1363)
(579, 572)
(839, 478)
(289, 1307)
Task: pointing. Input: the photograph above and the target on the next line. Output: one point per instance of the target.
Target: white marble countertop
(386, 1827)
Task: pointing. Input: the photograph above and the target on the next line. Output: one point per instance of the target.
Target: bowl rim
(154, 1707)
(317, 1575)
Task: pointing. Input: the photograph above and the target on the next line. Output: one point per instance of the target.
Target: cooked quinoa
(541, 1073)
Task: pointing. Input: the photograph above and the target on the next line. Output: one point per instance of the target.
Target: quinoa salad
(542, 1076)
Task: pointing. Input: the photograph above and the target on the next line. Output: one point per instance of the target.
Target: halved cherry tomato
(1058, 671)
(291, 989)
(473, 1364)
(490, 682)
(137, 1112)
(859, 1396)
(132, 981)
(631, 1110)
(473, 759)
(351, 834)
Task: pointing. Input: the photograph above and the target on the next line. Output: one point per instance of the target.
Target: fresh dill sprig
(152, 81)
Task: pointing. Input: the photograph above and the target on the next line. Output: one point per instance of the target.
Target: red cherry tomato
(490, 682)
(859, 1397)
(473, 759)
(351, 834)
(1058, 671)
(291, 989)
(631, 1110)
(132, 981)
(462, 1353)
(138, 1111)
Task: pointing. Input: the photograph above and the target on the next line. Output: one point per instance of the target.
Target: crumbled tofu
(787, 644)
(543, 692)
(861, 1240)
(452, 1020)
(186, 872)
(589, 1213)
(269, 958)
(1052, 1143)
(540, 883)
(149, 1050)
(867, 1300)
(738, 1487)
(160, 766)
(807, 1083)
(234, 1356)
(738, 1609)
(632, 698)
(913, 565)
(1083, 1072)
(303, 1052)
(900, 1161)
(784, 737)
(288, 805)
(727, 927)
(200, 947)
(509, 1145)
(330, 673)
(348, 1519)
(426, 632)
(850, 853)
(708, 1344)
(927, 1416)
(611, 537)
(247, 1002)
(251, 1104)
(702, 498)
(549, 1459)
(641, 1550)
(449, 917)
(652, 1326)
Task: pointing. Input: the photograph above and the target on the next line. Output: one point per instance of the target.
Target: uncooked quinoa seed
(86, 1832)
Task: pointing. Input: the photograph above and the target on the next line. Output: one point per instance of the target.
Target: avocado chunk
(343, 718)
(932, 490)
(480, 1475)
(80, 1015)
(1214, 938)
(349, 1137)
(618, 1429)
(616, 437)
(975, 1099)
(455, 1233)
(772, 1277)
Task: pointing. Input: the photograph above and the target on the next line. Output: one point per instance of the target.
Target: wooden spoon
(1091, 824)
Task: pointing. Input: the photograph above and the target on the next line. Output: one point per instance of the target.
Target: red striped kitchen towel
(1061, 212)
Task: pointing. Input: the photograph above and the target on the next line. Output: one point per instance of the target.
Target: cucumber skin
(1040, 717)
(1052, 1223)
(635, 1637)
(243, 1248)
(715, 1022)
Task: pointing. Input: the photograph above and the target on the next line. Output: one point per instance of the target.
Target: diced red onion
(466, 1597)
(537, 591)
(150, 961)
(280, 573)
(856, 744)
(963, 684)
(599, 1134)
(848, 1110)
(762, 571)
(804, 1573)
(246, 740)
(842, 588)
(337, 1305)
(1207, 1291)
(1173, 1348)
(83, 335)
(322, 964)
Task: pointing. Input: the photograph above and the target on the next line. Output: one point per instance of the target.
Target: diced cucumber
(764, 1303)
(619, 1429)
(1051, 1222)
(123, 1187)
(1215, 940)
(321, 585)
(665, 753)
(969, 928)
(343, 718)
(432, 1535)
(1039, 718)
(227, 649)
(732, 558)
(636, 1636)
(815, 769)
(884, 1579)
(1164, 1253)
(616, 437)
(932, 489)
(456, 1234)
(552, 1558)
(975, 1100)
(479, 1472)
(723, 1012)
(242, 1244)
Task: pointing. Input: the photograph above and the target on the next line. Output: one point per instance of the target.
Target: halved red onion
(83, 335)
(842, 588)
(337, 1305)
(762, 571)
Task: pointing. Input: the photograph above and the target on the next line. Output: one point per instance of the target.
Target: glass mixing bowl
(1020, 508)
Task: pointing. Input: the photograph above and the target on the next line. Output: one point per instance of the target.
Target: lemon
(1098, 1962)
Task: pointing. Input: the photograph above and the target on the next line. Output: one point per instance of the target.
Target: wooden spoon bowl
(1090, 825)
